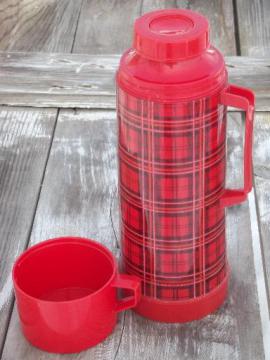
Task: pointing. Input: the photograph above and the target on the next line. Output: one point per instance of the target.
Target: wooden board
(76, 199)
(262, 181)
(88, 81)
(81, 172)
(25, 137)
(151, 5)
(38, 25)
(221, 19)
(254, 27)
(106, 26)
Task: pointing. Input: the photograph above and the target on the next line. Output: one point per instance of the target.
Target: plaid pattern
(167, 227)
(171, 176)
(172, 146)
(174, 261)
(173, 188)
(180, 290)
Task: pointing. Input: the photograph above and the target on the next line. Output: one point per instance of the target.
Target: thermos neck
(172, 81)
(171, 58)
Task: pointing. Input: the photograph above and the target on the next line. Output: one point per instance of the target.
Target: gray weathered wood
(254, 36)
(106, 26)
(38, 25)
(151, 5)
(25, 137)
(261, 152)
(254, 27)
(221, 18)
(261, 161)
(262, 182)
(87, 81)
(76, 199)
(82, 172)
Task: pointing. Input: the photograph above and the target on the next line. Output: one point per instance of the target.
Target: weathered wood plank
(262, 182)
(261, 152)
(221, 19)
(106, 26)
(261, 161)
(151, 5)
(76, 198)
(254, 34)
(261, 278)
(37, 25)
(25, 137)
(111, 27)
(87, 81)
(85, 169)
(254, 27)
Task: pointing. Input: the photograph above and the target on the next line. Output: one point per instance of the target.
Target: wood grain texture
(151, 5)
(38, 25)
(25, 136)
(76, 199)
(106, 26)
(262, 182)
(254, 27)
(221, 19)
(88, 81)
(261, 152)
(111, 27)
(82, 172)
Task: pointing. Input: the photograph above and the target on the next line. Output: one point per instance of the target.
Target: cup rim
(64, 240)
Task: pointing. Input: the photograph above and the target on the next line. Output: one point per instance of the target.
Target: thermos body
(172, 98)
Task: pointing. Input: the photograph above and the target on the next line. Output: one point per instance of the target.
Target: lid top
(171, 25)
(170, 35)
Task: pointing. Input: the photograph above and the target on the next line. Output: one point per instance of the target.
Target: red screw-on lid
(170, 35)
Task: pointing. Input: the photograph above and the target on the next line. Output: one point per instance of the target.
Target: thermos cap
(171, 35)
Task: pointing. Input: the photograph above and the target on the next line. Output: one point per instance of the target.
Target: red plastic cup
(66, 291)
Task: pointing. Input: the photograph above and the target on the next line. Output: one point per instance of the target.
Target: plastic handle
(241, 98)
(128, 282)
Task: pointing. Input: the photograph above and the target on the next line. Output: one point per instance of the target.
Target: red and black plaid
(173, 259)
(171, 226)
(171, 176)
(171, 145)
(168, 187)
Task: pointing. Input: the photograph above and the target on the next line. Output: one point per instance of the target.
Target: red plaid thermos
(172, 98)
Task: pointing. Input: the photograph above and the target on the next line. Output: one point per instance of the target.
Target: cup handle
(128, 282)
(240, 98)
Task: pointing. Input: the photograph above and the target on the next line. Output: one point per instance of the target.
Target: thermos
(172, 98)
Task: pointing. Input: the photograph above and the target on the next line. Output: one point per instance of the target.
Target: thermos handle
(241, 98)
(127, 282)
